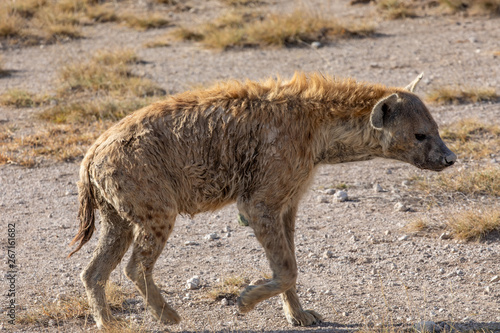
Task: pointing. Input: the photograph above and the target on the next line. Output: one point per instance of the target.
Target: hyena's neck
(347, 141)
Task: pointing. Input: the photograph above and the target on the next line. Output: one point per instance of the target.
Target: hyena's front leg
(291, 304)
(276, 237)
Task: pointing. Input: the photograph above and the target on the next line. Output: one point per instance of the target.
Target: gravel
(373, 270)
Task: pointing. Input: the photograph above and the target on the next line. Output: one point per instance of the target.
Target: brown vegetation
(472, 139)
(474, 224)
(475, 7)
(93, 94)
(471, 181)
(236, 29)
(70, 307)
(460, 95)
(42, 21)
(396, 9)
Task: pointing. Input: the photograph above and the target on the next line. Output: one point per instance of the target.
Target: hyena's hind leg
(114, 240)
(149, 240)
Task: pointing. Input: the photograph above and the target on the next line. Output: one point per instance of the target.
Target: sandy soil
(376, 274)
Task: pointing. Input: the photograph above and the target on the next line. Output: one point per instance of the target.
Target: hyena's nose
(450, 159)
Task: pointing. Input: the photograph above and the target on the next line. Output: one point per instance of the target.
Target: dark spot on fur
(149, 207)
(286, 264)
(159, 234)
(162, 227)
(169, 227)
(149, 216)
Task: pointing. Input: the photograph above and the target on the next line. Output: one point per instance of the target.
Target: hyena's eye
(420, 137)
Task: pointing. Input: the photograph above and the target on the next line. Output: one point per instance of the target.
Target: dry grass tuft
(145, 22)
(475, 7)
(472, 139)
(417, 225)
(474, 225)
(471, 181)
(229, 288)
(60, 142)
(396, 9)
(73, 307)
(451, 95)
(102, 88)
(241, 3)
(21, 99)
(43, 21)
(91, 94)
(236, 29)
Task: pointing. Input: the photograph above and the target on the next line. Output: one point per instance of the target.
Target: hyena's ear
(381, 110)
(413, 84)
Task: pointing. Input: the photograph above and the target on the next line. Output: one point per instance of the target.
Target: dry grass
(102, 88)
(145, 22)
(91, 94)
(36, 21)
(73, 307)
(59, 142)
(229, 288)
(21, 99)
(241, 3)
(474, 225)
(470, 182)
(475, 7)
(396, 9)
(472, 139)
(457, 95)
(236, 29)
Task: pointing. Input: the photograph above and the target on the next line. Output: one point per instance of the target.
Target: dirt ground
(376, 275)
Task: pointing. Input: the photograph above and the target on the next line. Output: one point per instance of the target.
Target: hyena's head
(409, 133)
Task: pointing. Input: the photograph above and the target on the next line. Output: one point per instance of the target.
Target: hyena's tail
(87, 206)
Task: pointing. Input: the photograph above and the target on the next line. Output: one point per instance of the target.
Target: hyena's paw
(245, 303)
(304, 318)
(167, 315)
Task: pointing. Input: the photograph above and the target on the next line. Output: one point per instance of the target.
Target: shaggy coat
(257, 144)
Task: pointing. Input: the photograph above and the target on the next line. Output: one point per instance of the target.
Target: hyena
(256, 144)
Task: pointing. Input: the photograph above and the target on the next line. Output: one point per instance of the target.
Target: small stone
(406, 183)
(445, 235)
(377, 188)
(441, 271)
(487, 290)
(193, 283)
(212, 236)
(330, 191)
(340, 196)
(403, 238)
(242, 220)
(226, 229)
(190, 243)
(50, 215)
(400, 207)
(224, 302)
(70, 193)
(323, 199)
(353, 239)
(496, 278)
(388, 171)
(52, 322)
(345, 314)
(387, 232)
(327, 254)
(316, 45)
